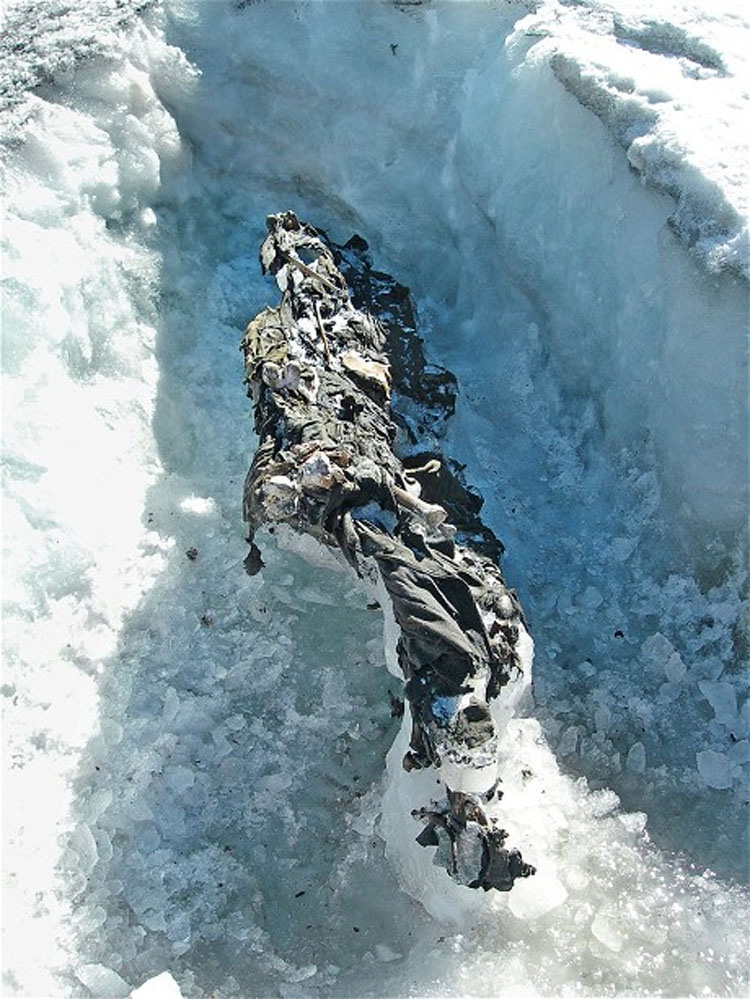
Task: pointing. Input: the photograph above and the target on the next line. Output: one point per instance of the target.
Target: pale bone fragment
(321, 330)
(431, 467)
(432, 513)
(373, 371)
(309, 271)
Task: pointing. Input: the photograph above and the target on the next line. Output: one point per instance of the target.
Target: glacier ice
(601, 412)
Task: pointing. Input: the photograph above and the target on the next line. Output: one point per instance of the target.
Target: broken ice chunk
(606, 931)
(591, 598)
(102, 981)
(723, 699)
(675, 668)
(374, 513)
(568, 741)
(386, 954)
(635, 761)
(280, 495)
(714, 768)
(602, 718)
(532, 899)
(657, 649)
(622, 548)
(739, 753)
(161, 986)
(468, 849)
(83, 844)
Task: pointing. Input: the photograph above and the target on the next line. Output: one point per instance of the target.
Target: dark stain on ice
(397, 705)
(253, 561)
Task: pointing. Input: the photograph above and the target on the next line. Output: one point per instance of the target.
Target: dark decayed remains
(348, 416)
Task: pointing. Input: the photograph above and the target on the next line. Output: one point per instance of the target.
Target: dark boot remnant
(348, 416)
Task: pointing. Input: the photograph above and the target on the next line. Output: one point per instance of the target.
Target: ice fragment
(723, 699)
(606, 931)
(675, 668)
(714, 768)
(102, 981)
(635, 761)
(568, 743)
(591, 598)
(161, 986)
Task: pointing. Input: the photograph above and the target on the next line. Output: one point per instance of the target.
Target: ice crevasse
(194, 761)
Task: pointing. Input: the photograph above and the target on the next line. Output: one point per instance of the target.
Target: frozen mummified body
(338, 391)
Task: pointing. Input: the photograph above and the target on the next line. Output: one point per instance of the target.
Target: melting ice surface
(195, 777)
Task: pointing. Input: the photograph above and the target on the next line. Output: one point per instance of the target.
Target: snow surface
(195, 775)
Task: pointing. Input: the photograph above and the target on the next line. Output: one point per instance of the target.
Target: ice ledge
(669, 98)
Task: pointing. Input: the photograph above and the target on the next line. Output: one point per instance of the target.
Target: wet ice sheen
(196, 759)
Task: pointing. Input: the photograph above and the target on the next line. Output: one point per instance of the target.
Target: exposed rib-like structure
(347, 413)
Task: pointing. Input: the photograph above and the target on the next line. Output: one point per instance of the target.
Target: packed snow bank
(44, 42)
(180, 738)
(631, 322)
(79, 388)
(670, 84)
